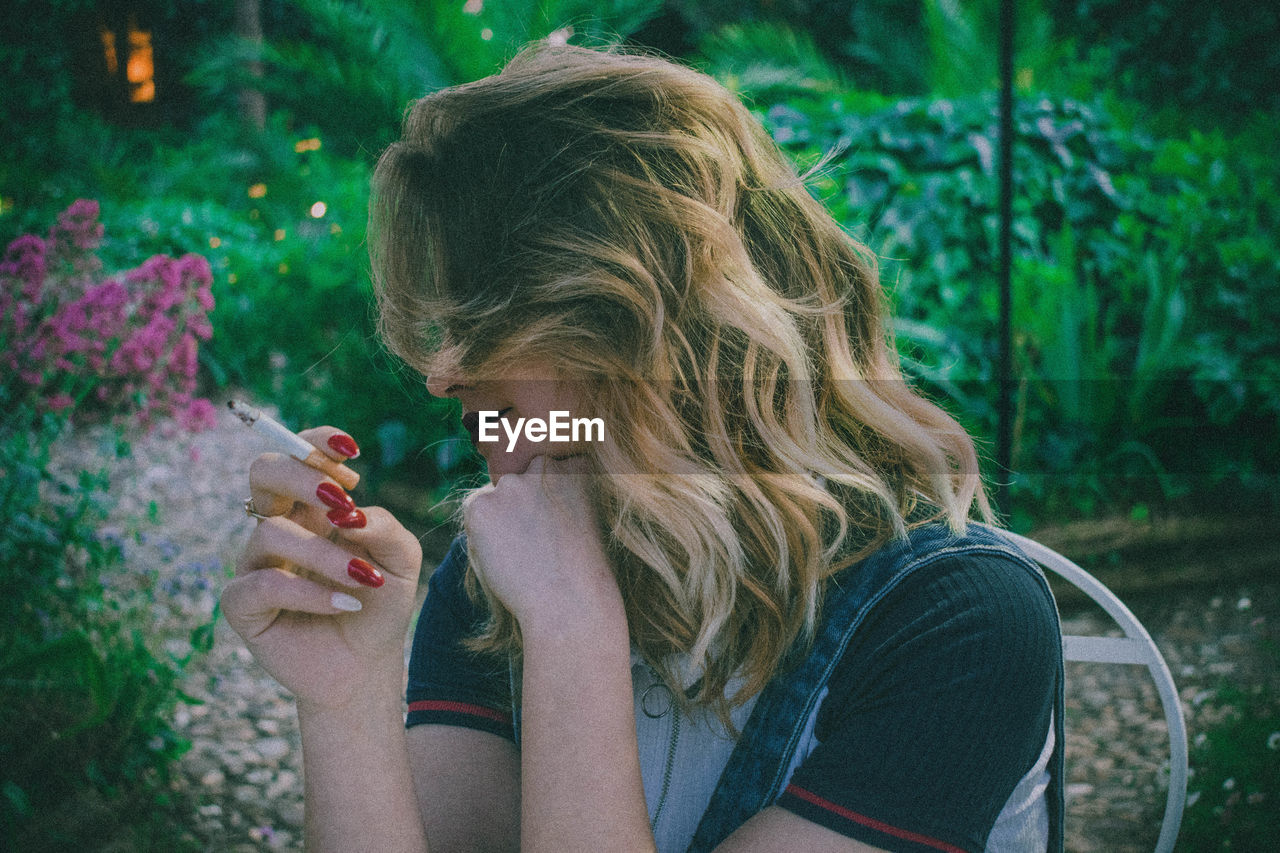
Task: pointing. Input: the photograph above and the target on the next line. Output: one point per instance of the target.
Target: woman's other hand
(535, 541)
(323, 591)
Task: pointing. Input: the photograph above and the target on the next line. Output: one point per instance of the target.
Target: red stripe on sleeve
(872, 823)
(460, 708)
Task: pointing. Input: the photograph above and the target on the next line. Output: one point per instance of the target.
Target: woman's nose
(444, 385)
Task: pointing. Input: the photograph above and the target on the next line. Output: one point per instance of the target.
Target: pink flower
(197, 267)
(184, 357)
(73, 242)
(24, 259)
(58, 402)
(199, 414)
(132, 336)
(79, 223)
(200, 327)
(21, 322)
(204, 296)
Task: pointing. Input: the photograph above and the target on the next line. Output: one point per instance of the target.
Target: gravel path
(178, 512)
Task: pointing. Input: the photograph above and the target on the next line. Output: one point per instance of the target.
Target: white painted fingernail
(342, 601)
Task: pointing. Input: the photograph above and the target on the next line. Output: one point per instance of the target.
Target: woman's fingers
(384, 544)
(333, 442)
(387, 542)
(279, 541)
(332, 450)
(252, 602)
(279, 483)
(563, 481)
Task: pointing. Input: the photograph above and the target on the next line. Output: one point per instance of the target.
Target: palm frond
(762, 58)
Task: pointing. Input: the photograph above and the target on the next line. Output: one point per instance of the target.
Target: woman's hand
(535, 541)
(536, 544)
(302, 575)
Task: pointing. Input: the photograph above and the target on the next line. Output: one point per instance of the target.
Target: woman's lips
(471, 423)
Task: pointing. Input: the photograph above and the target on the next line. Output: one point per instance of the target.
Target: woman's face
(521, 397)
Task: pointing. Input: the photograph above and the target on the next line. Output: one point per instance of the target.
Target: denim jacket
(754, 777)
(756, 771)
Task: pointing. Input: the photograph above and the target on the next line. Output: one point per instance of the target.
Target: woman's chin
(501, 464)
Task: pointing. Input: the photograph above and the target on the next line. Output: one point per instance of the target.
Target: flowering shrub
(122, 345)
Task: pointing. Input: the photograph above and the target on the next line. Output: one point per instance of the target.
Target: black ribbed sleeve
(448, 683)
(940, 705)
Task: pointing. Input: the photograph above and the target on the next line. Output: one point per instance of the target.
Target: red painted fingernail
(334, 497)
(344, 444)
(342, 518)
(364, 573)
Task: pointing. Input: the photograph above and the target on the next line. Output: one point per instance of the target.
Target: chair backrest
(1135, 647)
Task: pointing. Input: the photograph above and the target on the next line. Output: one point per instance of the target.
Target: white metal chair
(1135, 647)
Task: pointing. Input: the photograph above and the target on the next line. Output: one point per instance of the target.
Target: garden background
(183, 194)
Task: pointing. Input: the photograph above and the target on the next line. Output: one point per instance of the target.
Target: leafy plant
(1132, 261)
(962, 46)
(85, 744)
(1210, 64)
(371, 59)
(1235, 761)
(770, 60)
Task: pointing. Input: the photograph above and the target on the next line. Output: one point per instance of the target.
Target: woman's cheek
(525, 450)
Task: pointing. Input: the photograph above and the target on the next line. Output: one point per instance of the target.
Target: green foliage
(1214, 63)
(1141, 269)
(85, 746)
(51, 52)
(40, 54)
(887, 46)
(961, 55)
(1235, 780)
(480, 37)
(816, 38)
(294, 324)
(1147, 341)
(900, 47)
(367, 65)
(769, 60)
(371, 59)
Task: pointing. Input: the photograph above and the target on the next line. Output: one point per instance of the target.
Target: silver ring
(252, 511)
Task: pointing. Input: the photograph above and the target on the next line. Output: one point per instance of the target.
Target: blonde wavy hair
(629, 218)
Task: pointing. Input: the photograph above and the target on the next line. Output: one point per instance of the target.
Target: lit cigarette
(293, 444)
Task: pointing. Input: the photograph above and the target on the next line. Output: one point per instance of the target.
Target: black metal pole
(1004, 405)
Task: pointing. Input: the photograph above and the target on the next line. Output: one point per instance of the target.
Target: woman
(750, 615)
